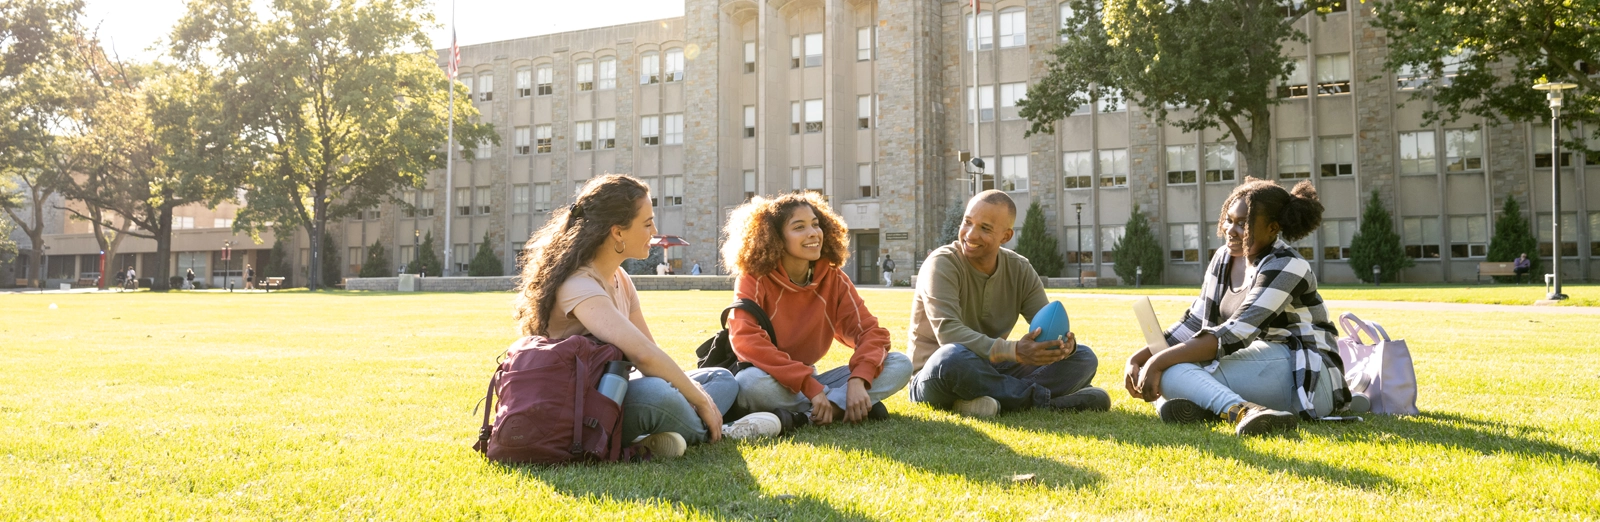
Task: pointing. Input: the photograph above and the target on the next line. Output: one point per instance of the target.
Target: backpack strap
(753, 309)
(577, 412)
(488, 405)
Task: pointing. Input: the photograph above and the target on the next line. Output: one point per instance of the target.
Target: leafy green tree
(1219, 60)
(1513, 236)
(485, 263)
(277, 262)
(951, 228)
(330, 262)
(1376, 243)
(646, 266)
(428, 263)
(1479, 58)
(1038, 245)
(377, 263)
(1137, 248)
(336, 104)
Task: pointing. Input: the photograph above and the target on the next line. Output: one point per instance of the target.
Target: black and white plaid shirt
(1282, 306)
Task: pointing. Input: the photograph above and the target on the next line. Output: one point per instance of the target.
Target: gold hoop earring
(621, 246)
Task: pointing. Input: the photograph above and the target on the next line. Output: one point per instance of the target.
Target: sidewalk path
(1386, 305)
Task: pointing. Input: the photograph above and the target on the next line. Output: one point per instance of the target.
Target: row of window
(540, 80)
(188, 223)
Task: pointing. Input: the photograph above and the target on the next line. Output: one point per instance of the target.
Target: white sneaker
(758, 424)
(665, 445)
(984, 406)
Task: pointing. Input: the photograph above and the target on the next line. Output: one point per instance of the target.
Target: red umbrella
(667, 241)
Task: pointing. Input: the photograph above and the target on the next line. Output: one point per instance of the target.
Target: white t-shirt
(584, 284)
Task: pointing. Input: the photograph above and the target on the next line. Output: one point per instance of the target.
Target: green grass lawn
(359, 406)
(1578, 294)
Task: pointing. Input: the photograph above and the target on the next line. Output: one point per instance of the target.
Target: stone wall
(508, 283)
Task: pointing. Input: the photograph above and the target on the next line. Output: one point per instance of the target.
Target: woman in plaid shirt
(1256, 348)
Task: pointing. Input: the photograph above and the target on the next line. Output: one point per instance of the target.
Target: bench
(270, 283)
(1496, 268)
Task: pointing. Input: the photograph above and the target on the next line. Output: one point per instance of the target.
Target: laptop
(1154, 335)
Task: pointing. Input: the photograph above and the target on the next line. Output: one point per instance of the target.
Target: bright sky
(133, 26)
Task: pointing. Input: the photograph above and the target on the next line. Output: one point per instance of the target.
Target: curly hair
(569, 240)
(755, 233)
(1297, 212)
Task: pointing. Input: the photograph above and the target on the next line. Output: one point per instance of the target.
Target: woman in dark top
(1256, 348)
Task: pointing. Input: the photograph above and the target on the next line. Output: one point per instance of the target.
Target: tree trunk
(319, 227)
(163, 251)
(36, 256)
(1256, 152)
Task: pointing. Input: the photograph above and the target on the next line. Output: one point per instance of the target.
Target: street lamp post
(416, 249)
(227, 263)
(1553, 93)
(1077, 255)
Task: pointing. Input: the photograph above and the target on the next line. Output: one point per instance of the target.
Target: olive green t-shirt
(957, 303)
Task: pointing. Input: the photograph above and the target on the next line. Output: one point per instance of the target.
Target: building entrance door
(866, 258)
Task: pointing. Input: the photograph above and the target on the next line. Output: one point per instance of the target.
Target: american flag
(455, 55)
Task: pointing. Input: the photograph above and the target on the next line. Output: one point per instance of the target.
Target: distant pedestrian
(188, 279)
(696, 269)
(249, 277)
(132, 281)
(888, 271)
(1521, 266)
(661, 269)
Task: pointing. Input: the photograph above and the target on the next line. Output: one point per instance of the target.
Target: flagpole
(450, 147)
(977, 101)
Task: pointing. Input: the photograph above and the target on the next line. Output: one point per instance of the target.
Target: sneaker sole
(1267, 424)
(1089, 399)
(979, 407)
(665, 445)
(1184, 411)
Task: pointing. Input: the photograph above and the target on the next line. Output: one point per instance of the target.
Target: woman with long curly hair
(1259, 326)
(787, 253)
(573, 284)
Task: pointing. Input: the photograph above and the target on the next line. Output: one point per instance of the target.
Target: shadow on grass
(1486, 437)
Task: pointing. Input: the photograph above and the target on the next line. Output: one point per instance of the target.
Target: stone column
(702, 124)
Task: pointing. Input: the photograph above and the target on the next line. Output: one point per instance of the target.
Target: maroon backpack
(548, 409)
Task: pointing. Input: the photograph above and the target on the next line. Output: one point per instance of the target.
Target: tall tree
(1481, 57)
(1218, 60)
(1376, 244)
(1039, 245)
(329, 264)
(338, 103)
(485, 263)
(36, 38)
(1513, 236)
(1138, 248)
(427, 260)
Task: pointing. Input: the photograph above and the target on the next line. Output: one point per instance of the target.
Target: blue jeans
(760, 392)
(955, 373)
(1261, 373)
(652, 405)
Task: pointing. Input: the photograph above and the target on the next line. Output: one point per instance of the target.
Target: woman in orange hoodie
(787, 252)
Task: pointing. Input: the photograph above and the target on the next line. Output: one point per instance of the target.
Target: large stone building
(870, 102)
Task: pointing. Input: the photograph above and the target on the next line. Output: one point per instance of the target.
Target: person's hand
(708, 411)
(1149, 383)
(1130, 378)
(821, 409)
(857, 403)
(1041, 353)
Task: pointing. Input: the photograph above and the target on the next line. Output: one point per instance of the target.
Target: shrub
(427, 261)
(485, 263)
(377, 263)
(1513, 236)
(1038, 245)
(646, 266)
(1376, 243)
(951, 228)
(330, 262)
(277, 262)
(1138, 248)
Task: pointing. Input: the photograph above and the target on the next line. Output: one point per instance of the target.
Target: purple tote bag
(1381, 370)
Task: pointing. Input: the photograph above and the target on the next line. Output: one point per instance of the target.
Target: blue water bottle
(614, 383)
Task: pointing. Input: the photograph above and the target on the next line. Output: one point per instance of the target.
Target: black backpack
(717, 352)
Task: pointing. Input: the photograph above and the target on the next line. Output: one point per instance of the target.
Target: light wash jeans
(1261, 373)
(652, 405)
(954, 373)
(760, 392)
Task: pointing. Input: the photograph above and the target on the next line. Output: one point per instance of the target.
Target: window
(794, 117)
(813, 116)
(1109, 236)
(1417, 153)
(1183, 164)
(1014, 173)
(541, 197)
(182, 222)
(1593, 144)
(606, 134)
(1305, 247)
(1013, 27)
(1338, 156)
(864, 181)
(749, 185)
(462, 257)
(524, 140)
(482, 195)
(1333, 74)
(1453, 64)
(674, 71)
(797, 181)
(228, 223)
(749, 121)
(984, 103)
(541, 134)
(990, 167)
(584, 131)
(519, 199)
(814, 50)
(524, 82)
(1542, 151)
(466, 79)
(409, 200)
(863, 44)
(408, 255)
(649, 68)
(1066, 16)
(1336, 237)
(1294, 159)
(1112, 100)
(1569, 234)
(463, 202)
(1113, 168)
(1010, 94)
(796, 52)
(585, 75)
(373, 214)
(985, 31)
(544, 80)
(1421, 237)
(1410, 78)
(1594, 234)
(1463, 150)
(814, 180)
(1077, 172)
(484, 150)
(486, 87)
(749, 57)
(673, 194)
(425, 206)
(864, 112)
(608, 73)
(1183, 243)
(1469, 236)
(1086, 107)
(1076, 254)
(650, 130)
(1219, 162)
(1295, 86)
(354, 261)
(674, 130)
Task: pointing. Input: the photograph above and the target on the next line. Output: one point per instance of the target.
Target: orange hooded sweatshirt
(807, 320)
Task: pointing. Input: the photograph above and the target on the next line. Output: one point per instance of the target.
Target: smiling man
(969, 296)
